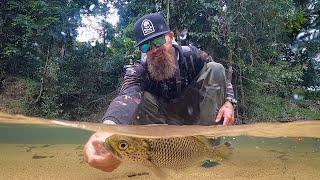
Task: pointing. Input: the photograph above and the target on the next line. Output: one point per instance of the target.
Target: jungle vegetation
(270, 49)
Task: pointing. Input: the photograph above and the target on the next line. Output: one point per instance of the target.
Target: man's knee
(211, 73)
(215, 67)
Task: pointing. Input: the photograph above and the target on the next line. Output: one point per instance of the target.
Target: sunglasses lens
(159, 41)
(144, 47)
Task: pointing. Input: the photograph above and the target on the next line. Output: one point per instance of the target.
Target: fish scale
(172, 152)
(175, 152)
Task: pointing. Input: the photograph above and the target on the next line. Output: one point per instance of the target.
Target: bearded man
(171, 84)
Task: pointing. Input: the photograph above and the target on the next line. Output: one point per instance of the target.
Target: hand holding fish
(97, 156)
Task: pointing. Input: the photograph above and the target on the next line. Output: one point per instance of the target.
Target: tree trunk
(242, 105)
(43, 75)
(229, 63)
(62, 51)
(104, 43)
(104, 31)
(168, 12)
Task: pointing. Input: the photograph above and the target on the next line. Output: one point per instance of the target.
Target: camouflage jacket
(137, 80)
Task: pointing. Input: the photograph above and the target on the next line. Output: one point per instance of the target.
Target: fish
(167, 152)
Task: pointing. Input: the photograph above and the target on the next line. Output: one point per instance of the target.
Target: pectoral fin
(160, 173)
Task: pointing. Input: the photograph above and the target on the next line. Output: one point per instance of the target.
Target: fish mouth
(109, 145)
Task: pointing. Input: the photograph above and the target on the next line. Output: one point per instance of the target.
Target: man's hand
(97, 156)
(227, 112)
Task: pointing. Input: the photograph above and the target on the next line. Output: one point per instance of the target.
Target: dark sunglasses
(146, 46)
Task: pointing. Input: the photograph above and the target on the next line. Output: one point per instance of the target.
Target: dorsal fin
(217, 150)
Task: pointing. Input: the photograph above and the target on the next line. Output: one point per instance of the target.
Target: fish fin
(222, 151)
(160, 173)
(214, 141)
(209, 141)
(218, 150)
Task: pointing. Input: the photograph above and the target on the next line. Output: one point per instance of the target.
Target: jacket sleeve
(203, 57)
(122, 109)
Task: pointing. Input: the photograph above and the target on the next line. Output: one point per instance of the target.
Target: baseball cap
(150, 26)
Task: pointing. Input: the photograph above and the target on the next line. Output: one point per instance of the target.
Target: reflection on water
(40, 152)
(31, 134)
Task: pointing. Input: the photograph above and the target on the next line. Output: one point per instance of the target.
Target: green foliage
(269, 90)
(268, 107)
(312, 95)
(83, 78)
(296, 22)
(281, 77)
(278, 79)
(68, 79)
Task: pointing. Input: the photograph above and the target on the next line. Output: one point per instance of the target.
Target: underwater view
(42, 151)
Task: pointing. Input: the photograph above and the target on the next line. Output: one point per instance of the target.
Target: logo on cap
(147, 27)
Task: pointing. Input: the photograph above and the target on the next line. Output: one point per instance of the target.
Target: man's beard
(162, 65)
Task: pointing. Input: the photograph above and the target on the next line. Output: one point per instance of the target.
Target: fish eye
(123, 145)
